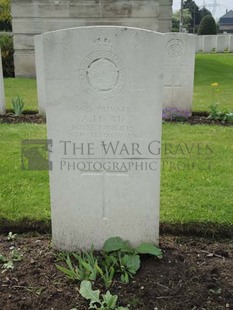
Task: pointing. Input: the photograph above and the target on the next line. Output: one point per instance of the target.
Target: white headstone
(230, 43)
(2, 93)
(210, 43)
(103, 90)
(179, 74)
(222, 43)
(39, 75)
(200, 43)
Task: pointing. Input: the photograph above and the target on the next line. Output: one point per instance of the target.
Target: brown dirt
(194, 274)
(26, 117)
(33, 117)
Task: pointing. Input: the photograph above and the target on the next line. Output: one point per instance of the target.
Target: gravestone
(210, 43)
(39, 75)
(103, 91)
(2, 93)
(200, 44)
(222, 43)
(231, 43)
(179, 74)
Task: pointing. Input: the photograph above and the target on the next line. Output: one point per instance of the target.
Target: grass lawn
(25, 88)
(202, 194)
(211, 68)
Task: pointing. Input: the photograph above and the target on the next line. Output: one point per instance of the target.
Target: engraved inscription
(175, 48)
(102, 74)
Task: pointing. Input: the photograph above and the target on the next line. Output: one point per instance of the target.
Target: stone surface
(200, 43)
(179, 74)
(210, 43)
(40, 81)
(230, 43)
(103, 88)
(2, 93)
(32, 17)
(222, 43)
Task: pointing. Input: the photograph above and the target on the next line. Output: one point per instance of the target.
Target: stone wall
(31, 17)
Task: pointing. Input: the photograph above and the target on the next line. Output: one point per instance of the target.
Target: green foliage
(229, 117)
(8, 261)
(186, 20)
(85, 268)
(18, 105)
(7, 51)
(114, 244)
(148, 248)
(214, 111)
(127, 261)
(11, 236)
(128, 266)
(207, 26)
(104, 302)
(5, 11)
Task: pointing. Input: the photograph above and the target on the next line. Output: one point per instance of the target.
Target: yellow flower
(214, 84)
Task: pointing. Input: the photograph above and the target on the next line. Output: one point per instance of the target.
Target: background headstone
(231, 43)
(200, 44)
(39, 75)
(104, 85)
(222, 43)
(210, 43)
(2, 93)
(179, 74)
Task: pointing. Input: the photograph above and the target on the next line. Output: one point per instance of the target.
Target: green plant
(214, 110)
(8, 262)
(127, 259)
(18, 105)
(11, 236)
(84, 269)
(229, 117)
(207, 26)
(7, 51)
(104, 302)
(106, 274)
(114, 244)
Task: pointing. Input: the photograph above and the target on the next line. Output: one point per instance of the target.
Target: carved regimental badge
(102, 73)
(175, 48)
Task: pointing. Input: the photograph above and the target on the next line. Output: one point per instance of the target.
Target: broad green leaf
(116, 244)
(110, 300)
(132, 263)
(87, 292)
(147, 248)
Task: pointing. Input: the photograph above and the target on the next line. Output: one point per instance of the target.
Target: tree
(203, 12)
(5, 15)
(176, 20)
(194, 11)
(207, 25)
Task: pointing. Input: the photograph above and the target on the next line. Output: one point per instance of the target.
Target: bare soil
(194, 274)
